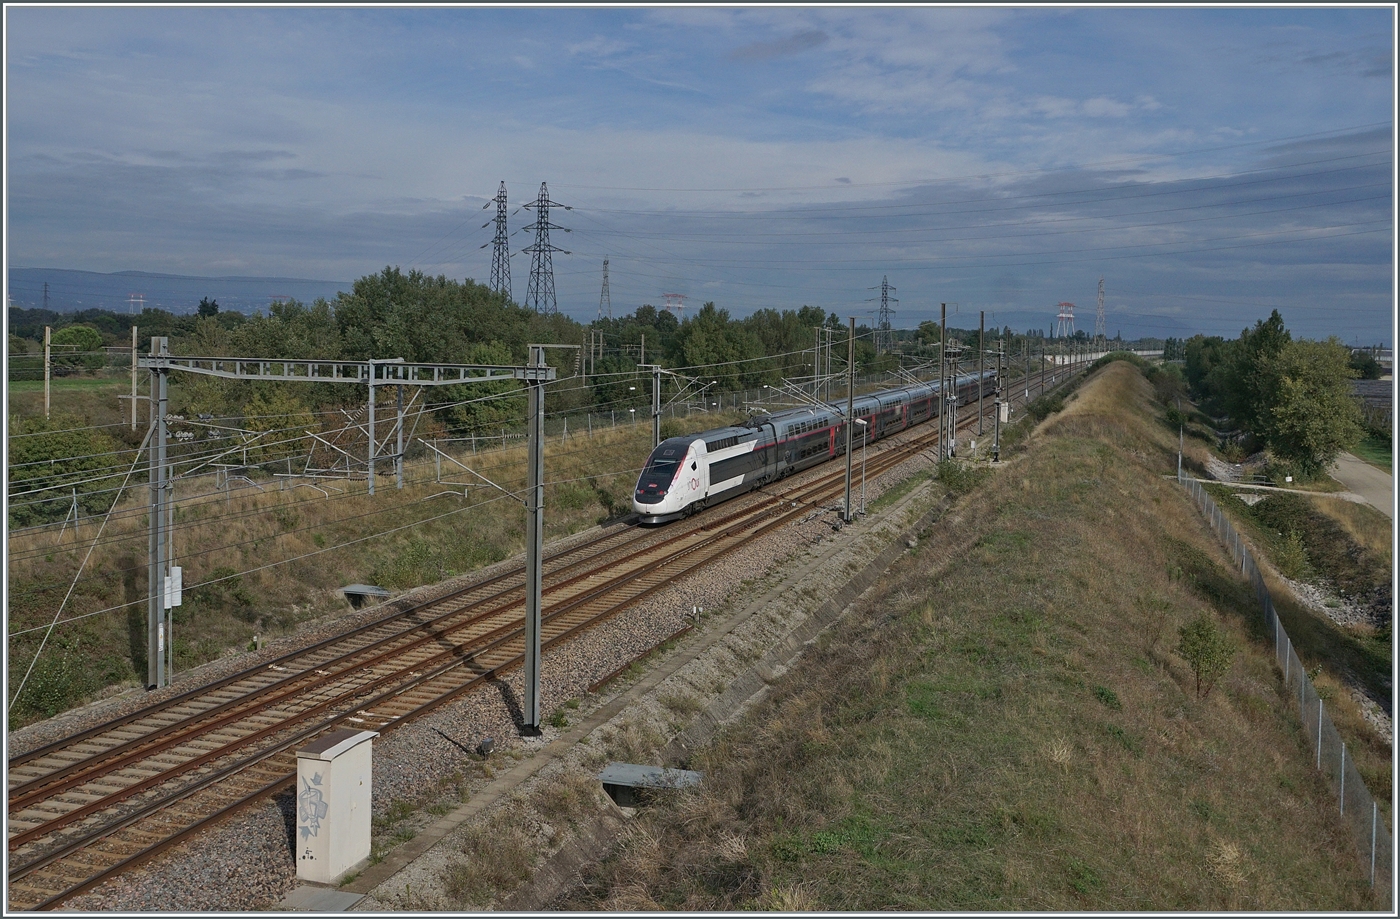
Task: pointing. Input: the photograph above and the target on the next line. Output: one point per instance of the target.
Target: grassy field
(1006, 724)
(1376, 451)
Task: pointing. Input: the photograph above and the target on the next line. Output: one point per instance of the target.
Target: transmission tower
(884, 336)
(1064, 322)
(605, 301)
(675, 303)
(1100, 324)
(500, 256)
(540, 294)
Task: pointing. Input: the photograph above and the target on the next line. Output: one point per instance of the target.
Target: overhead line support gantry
(164, 577)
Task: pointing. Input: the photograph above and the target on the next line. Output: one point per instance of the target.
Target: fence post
(1319, 733)
(1373, 842)
(1342, 789)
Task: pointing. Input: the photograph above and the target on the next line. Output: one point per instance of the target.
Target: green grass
(1376, 451)
(897, 491)
(1011, 730)
(74, 384)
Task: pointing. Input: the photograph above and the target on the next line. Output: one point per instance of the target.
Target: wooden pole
(133, 378)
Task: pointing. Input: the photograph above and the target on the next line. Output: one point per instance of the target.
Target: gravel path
(246, 862)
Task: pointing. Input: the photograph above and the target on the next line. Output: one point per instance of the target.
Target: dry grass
(498, 856)
(1368, 526)
(634, 741)
(288, 550)
(569, 797)
(1012, 730)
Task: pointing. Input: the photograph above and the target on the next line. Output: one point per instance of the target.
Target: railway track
(92, 805)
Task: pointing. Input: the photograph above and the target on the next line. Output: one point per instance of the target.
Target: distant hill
(71, 291)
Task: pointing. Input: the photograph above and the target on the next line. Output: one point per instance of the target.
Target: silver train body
(685, 474)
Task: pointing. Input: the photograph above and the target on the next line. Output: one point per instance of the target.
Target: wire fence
(1355, 804)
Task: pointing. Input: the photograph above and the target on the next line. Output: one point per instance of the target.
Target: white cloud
(1103, 107)
(599, 46)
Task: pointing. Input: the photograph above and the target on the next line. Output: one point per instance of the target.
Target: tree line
(1293, 396)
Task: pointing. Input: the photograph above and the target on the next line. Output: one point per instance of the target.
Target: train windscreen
(660, 472)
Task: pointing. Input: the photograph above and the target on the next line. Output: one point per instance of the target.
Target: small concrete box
(629, 784)
(333, 802)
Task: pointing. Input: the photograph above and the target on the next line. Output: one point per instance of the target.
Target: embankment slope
(1004, 723)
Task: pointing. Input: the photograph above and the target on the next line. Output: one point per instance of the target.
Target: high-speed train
(685, 474)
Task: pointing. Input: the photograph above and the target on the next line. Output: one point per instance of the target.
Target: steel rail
(288, 657)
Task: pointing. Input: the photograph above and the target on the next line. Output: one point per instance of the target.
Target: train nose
(649, 494)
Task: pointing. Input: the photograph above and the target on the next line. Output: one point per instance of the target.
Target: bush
(76, 348)
(1292, 558)
(1045, 406)
(52, 460)
(958, 478)
(1208, 650)
(1126, 356)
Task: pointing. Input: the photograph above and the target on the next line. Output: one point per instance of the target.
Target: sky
(1209, 163)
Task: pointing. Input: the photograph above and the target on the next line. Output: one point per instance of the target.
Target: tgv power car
(685, 474)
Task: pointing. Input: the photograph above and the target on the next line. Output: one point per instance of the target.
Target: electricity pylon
(540, 294)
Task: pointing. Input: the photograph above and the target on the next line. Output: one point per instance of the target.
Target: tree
(283, 420)
(1206, 358)
(479, 408)
(1246, 388)
(1207, 649)
(1312, 416)
(727, 350)
(51, 460)
(208, 308)
(1365, 365)
(77, 348)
